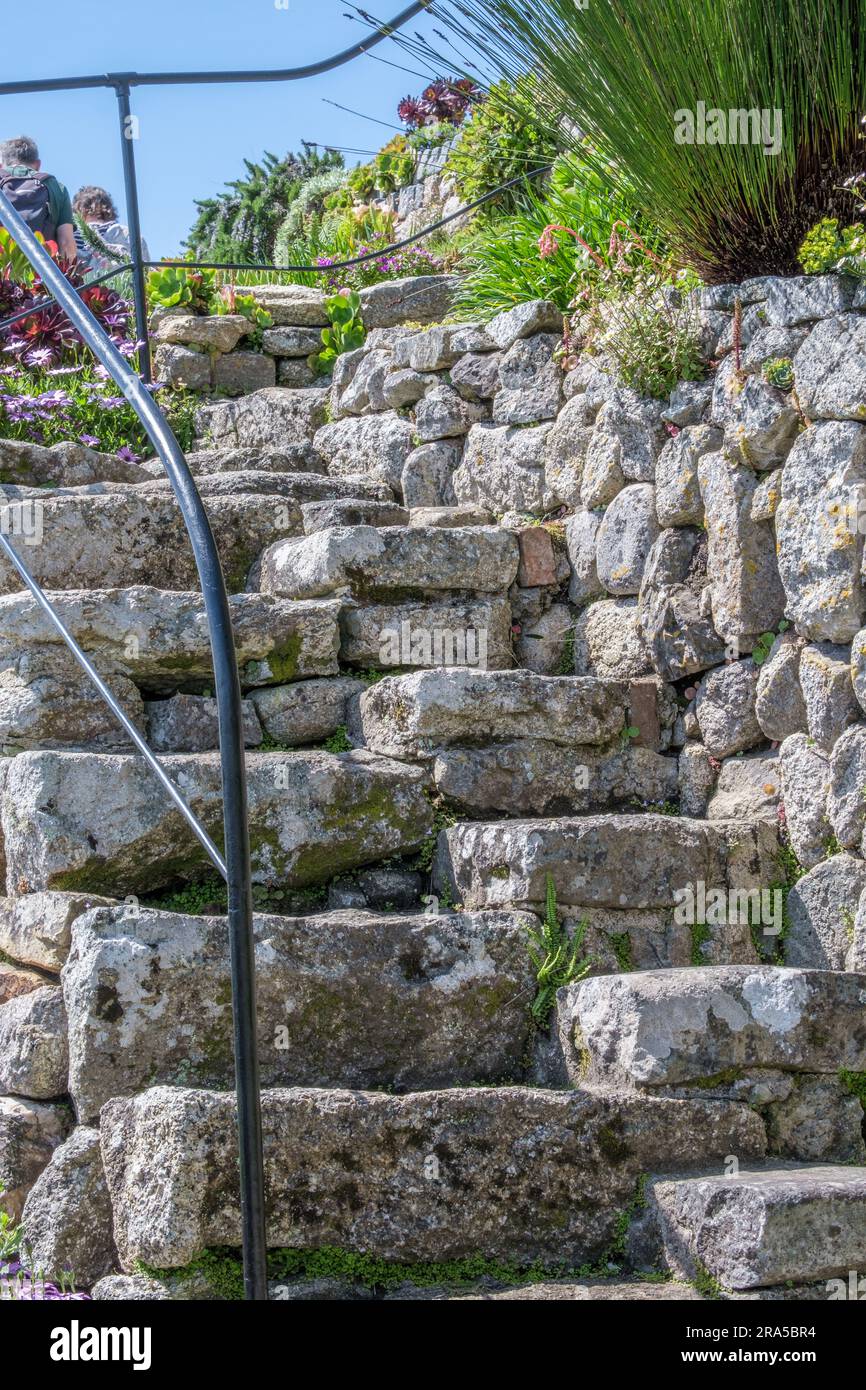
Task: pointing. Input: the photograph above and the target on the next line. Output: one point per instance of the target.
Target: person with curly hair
(95, 206)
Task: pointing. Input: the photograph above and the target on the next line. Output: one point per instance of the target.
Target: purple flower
(40, 357)
(127, 455)
(89, 439)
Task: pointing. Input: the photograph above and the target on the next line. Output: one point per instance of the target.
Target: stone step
(345, 999)
(416, 715)
(345, 511)
(36, 929)
(267, 419)
(159, 637)
(291, 458)
(508, 1173)
(182, 1287)
(495, 739)
(680, 1029)
(606, 861)
(62, 465)
(301, 488)
(432, 632)
(100, 822)
(764, 1227)
(389, 561)
(153, 641)
(130, 537)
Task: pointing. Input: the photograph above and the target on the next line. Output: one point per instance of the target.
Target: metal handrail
(236, 864)
(431, 227)
(166, 79)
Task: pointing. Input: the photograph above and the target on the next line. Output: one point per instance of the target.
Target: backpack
(30, 198)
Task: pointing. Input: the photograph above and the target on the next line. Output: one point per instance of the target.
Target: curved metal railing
(235, 865)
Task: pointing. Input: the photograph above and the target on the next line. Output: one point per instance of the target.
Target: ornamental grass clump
(736, 124)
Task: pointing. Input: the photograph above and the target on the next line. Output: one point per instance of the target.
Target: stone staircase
(431, 796)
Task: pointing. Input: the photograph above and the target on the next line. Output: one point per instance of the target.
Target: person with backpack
(39, 198)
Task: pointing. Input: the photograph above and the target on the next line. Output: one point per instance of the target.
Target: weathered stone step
(151, 640)
(685, 1028)
(62, 465)
(99, 822)
(291, 458)
(415, 715)
(765, 1227)
(506, 1173)
(388, 560)
(159, 637)
(495, 739)
(36, 929)
(300, 488)
(610, 861)
(268, 419)
(346, 511)
(125, 538)
(432, 632)
(346, 999)
(180, 1286)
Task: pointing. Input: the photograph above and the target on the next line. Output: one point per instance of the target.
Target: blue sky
(193, 139)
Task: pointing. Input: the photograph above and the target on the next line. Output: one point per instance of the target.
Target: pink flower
(547, 244)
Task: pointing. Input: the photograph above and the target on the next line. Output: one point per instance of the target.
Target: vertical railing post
(133, 218)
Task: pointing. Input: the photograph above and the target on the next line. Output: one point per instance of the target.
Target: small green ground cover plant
(556, 957)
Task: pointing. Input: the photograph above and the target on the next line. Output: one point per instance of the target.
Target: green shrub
(242, 223)
(646, 324)
(503, 140)
(346, 332)
(308, 215)
(362, 182)
(628, 74)
(173, 287)
(503, 257)
(827, 248)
